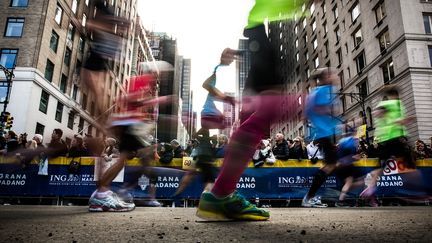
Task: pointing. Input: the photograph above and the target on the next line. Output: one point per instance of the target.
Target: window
(39, 128)
(71, 32)
(369, 114)
(316, 62)
(315, 44)
(81, 44)
(324, 8)
(314, 25)
(74, 6)
(343, 103)
(427, 20)
(67, 57)
(86, 2)
(43, 104)
(430, 54)
(81, 126)
(84, 20)
(63, 83)
(49, 70)
(339, 54)
(335, 13)
(358, 37)
(388, 71)
(92, 108)
(71, 119)
(355, 12)
(14, 27)
(312, 8)
(380, 12)
(8, 57)
(19, 3)
(341, 79)
(58, 15)
(59, 112)
(338, 34)
(326, 49)
(363, 89)
(84, 101)
(74, 92)
(360, 62)
(54, 41)
(384, 40)
(325, 28)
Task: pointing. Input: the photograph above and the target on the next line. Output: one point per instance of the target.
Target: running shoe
(152, 203)
(110, 203)
(342, 204)
(233, 207)
(314, 202)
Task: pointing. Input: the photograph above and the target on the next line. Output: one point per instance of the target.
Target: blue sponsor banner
(271, 183)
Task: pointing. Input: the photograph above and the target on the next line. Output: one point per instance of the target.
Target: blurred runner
(263, 86)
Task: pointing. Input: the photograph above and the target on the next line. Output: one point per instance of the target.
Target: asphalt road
(75, 224)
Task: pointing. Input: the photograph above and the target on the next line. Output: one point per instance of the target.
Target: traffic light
(6, 120)
(9, 122)
(4, 116)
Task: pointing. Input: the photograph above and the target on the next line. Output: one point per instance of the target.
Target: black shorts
(329, 149)
(397, 147)
(95, 62)
(132, 137)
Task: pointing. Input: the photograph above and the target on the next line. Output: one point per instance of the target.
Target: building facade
(371, 44)
(46, 42)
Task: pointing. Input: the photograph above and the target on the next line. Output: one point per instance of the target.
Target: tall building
(47, 42)
(371, 44)
(243, 66)
(229, 114)
(186, 96)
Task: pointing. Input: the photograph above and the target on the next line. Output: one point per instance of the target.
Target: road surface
(75, 224)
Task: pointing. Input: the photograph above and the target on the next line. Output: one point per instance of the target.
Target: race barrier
(282, 180)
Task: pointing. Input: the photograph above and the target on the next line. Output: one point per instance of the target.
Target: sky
(203, 28)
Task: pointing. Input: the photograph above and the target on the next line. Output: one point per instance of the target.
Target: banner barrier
(283, 180)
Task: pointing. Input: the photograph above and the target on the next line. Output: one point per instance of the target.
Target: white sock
(102, 194)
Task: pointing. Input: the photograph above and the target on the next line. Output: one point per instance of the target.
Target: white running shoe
(110, 203)
(314, 202)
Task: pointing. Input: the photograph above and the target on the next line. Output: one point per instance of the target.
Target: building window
(325, 28)
(358, 37)
(315, 43)
(92, 108)
(427, 20)
(59, 112)
(430, 54)
(54, 41)
(339, 54)
(335, 13)
(49, 70)
(14, 27)
(369, 114)
(74, 6)
(63, 83)
(341, 79)
(360, 62)
(343, 103)
(84, 101)
(84, 20)
(380, 12)
(71, 32)
(363, 89)
(8, 57)
(74, 92)
(39, 128)
(43, 104)
(355, 12)
(326, 49)
(314, 25)
(19, 3)
(81, 126)
(86, 2)
(81, 44)
(58, 15)
(384, 40)
(71, 119)
(338, 34)
(316, 62)
(388, 71)
(67, 57)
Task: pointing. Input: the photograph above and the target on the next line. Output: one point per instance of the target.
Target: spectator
(281, 150)
(313, 151)
(189, 147)
(166, 153)
(11, 142)
(22, 140)
(297, 150)
(220, 149)
(77, 148)
(263, 154)
(177, 149)
(57, 147)
(36, 142)
(110, 151)
(421, 150)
